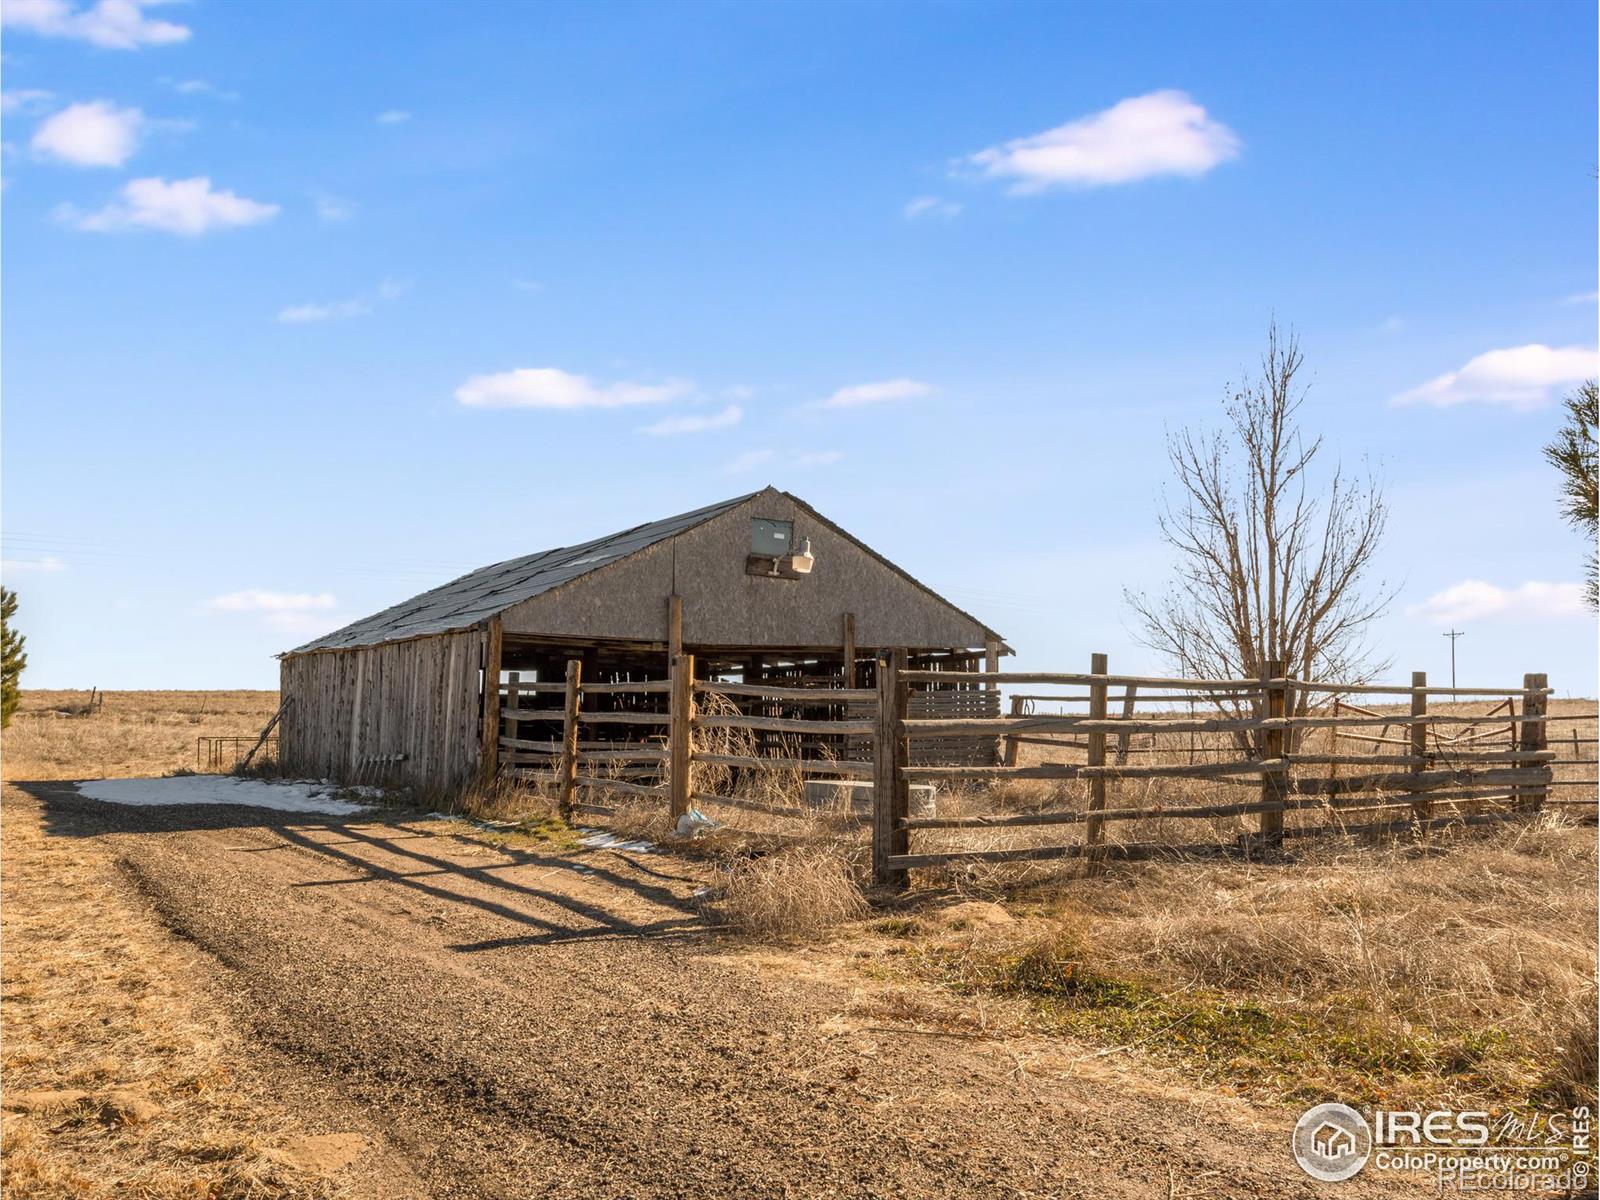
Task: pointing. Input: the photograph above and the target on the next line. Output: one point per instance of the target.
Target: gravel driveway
(518, 1024)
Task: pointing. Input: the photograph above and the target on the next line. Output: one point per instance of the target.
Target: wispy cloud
(1521, 377)
(882, 392)
(1475, 600)
(393, 116)
(200, 87)
(262, 600)
(343, 310)
(332, 209)
(113, 24)
(24, 100)
(749, 460)
(303, 613)
(527, 285)
(695, 422)
(43, 566)
(1581, 298)
(549, 387)
(1392, 325)
(93, 134)
(931, 206)
(187, 207)
(1162, 133)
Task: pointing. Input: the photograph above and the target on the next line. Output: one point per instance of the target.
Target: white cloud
(393, 116)
(931, 206)
(95, 134)
(304, 624)
(20, 566)
(547, 387)
(527, 285)
(23, 99)
(183, 206)
(113, 24)
(261, 600)
(1520, 377)
(343, 310)
(695, 422)
(1475, 600)
(1392, 325)
(876, 393)
(1581, 298)
(1162, 133)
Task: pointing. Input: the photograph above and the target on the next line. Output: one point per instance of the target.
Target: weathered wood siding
(402, 713)
(724, 606)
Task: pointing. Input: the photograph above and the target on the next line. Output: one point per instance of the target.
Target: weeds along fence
(1118, 767)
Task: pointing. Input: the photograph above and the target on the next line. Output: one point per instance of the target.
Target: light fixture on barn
(802, 563)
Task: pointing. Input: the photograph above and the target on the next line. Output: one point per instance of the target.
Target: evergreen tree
(1573, 454)
(12, 659)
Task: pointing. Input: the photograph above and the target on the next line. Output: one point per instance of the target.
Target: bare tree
(1272, 564)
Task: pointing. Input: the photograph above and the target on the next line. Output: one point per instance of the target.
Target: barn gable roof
(479, 595)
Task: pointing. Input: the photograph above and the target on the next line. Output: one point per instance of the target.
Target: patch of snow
(305, 796)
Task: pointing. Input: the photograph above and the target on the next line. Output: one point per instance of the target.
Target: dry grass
(798, 892)
(118, 1080)
(1458, 970)
(133, 733)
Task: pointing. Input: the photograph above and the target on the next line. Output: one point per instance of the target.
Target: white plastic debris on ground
(599, 839)
(694, 822)
(304, 796)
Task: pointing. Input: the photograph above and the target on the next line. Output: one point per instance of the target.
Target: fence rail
(1258, 761)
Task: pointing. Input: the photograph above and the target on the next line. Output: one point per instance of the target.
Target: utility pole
(1453, 635)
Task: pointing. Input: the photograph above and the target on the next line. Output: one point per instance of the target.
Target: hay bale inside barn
(759, 588)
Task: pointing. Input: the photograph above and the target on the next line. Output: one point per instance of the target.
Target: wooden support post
(848, 676)
(1094, 826)
(1123, 739)
(889, 790)
(1535, 737)
(489, 751)
(1333, 741)
(1274, 779)
(569, 735)
(513, 700)
(1011, 739)
(991, 664)
(1421, 805)
(674, 628)
(680, 726)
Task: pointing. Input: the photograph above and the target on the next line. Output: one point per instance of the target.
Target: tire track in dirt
(518, 1026)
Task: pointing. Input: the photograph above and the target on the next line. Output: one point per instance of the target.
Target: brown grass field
(1455, 970)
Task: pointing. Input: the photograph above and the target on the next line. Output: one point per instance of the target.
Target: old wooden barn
(761, 587)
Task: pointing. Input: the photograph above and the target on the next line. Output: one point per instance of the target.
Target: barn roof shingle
(480, 594)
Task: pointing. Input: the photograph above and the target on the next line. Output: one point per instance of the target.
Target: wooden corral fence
(1127, 767)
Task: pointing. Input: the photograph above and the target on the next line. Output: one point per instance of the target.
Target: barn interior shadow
(384, 846)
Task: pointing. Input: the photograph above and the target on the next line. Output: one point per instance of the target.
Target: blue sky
(312, 306)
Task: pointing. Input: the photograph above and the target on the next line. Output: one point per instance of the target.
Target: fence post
(569, 734)
(681, 715)
(1535, 736)
(1093, 827)
(508, 725)
(1421, 806)
(889, 806)
(1011, 738)
(1274, 775)
(1130, 695)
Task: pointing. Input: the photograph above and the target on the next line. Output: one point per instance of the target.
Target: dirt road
(566, 1025)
